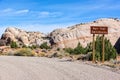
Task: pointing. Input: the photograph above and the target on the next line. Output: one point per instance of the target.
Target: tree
(110, 52)
(69, 50)
(79, 49)
(44, 46)
(13, 44)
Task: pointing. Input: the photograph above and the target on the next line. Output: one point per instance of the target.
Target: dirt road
(35, 68)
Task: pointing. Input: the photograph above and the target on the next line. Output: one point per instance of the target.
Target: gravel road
(36, 68)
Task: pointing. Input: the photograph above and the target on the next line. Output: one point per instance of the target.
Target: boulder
(23, 37)
(84, 57)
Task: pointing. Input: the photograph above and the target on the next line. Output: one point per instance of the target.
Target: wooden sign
(99, 30)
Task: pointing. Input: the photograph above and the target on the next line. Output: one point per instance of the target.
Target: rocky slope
(23, 37)
(71, 36)
(63, 38)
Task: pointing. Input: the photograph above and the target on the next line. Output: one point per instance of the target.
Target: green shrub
(110, 52)
(13, 44)
(24, 46)
(58, 49)
(88, 48)
(24, 52)
(44, 46)
(78, 50)
(69, 50)
(33, 47)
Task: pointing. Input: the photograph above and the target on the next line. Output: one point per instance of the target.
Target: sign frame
(99, 30)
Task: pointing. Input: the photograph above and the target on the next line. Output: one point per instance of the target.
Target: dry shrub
(24, 52)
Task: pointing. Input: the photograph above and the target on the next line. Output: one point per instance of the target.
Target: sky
(47, 15)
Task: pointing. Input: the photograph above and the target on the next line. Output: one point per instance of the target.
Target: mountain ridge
(81, 32)
(67, 37)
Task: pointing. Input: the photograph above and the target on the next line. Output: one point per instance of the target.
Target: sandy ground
(35, 68)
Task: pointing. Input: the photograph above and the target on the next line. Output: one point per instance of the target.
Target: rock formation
(64, 38)
(23, 37)
(71, 36)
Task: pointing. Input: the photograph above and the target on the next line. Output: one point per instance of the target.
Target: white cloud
(11, 12)
(45, 14)
(22, 11)
(7, 10)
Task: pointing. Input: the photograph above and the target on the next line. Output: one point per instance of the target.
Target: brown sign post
(99, 30)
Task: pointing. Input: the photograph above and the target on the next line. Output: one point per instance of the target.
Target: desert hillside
(62, 38)
(23, 37)
(71, 36)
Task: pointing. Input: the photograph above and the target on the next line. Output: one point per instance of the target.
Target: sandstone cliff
(63, 38)
(71, 36)
(23, 37)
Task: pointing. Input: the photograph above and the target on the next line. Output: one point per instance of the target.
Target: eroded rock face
(64, 38)
(71, 36)
(23, 37)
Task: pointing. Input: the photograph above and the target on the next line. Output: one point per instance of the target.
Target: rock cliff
(64, 38)
(23, 37)
(71, 36)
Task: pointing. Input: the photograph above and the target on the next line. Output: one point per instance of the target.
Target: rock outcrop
(71, 36)
(64, 38)
(23, 37)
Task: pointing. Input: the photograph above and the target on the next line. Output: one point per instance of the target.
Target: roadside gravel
(40, 68)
